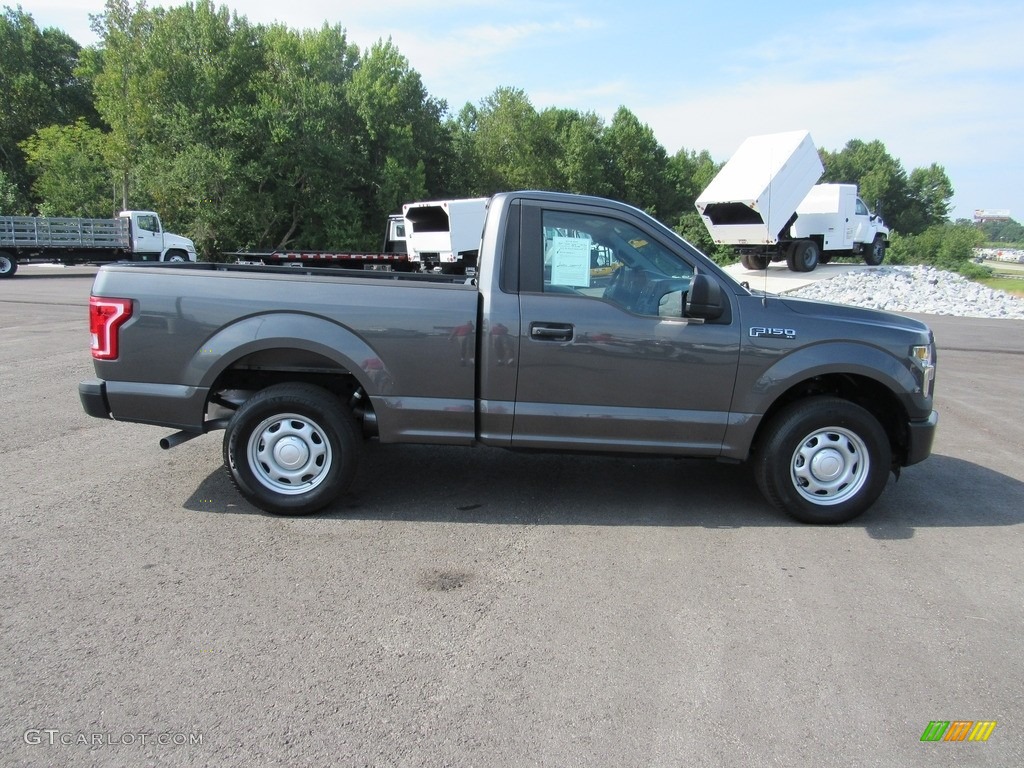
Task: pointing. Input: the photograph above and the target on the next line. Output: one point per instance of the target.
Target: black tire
(874, 254)
(292, 449)
(755, 262)
(803, 256)
(8, 265)
(176, 257)
(823, 460)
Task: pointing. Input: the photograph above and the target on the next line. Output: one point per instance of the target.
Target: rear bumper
(164, 405)
(920, 435)
(93, 394)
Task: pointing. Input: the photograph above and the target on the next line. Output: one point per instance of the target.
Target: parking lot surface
(478, 607)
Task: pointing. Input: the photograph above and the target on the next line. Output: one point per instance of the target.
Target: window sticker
(570, 261)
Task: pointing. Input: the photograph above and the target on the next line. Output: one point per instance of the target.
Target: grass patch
(1013, 286)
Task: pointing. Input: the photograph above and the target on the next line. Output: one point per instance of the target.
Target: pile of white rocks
(925, 290)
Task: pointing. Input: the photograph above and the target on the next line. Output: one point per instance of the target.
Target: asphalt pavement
(473, 607)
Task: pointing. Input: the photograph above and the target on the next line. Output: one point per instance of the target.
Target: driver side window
(605, 258)
(148, 223)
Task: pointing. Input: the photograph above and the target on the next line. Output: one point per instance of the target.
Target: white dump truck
(766, 205)
(445, 234)
(136, 235)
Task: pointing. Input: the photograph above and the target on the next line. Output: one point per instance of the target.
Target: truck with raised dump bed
(132, 235)
(666, 355)
(764, 203)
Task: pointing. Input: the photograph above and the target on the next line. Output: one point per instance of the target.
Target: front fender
(823, 359)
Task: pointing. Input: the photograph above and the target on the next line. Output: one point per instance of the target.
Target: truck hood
(177, 241)
(846, 313)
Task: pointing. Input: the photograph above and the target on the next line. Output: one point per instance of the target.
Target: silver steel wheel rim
(830, 466)
(176, 259)
(289, 454)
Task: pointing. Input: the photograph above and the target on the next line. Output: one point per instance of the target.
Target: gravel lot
(925, 290)
(475, 607)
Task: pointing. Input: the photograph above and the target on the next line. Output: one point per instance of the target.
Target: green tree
(689, 172)
(931, 195)
(639, 164)
(506, 137)
(115, 69)
(40, 87)
(406, 148)
(464, 180)
(11, 201)
(1008, 231)
(946, 246)
(309, 160)
(572, 143)
(72, 174)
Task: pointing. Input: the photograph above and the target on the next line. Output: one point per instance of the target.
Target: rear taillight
(105, 317)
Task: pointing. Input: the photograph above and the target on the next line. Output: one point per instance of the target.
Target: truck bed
(313, 321)
(295, 268)
(40, 233)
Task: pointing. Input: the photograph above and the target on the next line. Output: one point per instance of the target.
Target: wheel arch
(261, 351)
(867, 392)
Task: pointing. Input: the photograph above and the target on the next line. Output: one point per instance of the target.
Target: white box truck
(137, 235)
(765, 204)
(445, 235)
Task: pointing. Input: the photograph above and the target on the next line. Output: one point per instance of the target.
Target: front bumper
(920, 435)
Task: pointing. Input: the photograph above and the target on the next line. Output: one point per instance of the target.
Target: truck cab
(149, 241)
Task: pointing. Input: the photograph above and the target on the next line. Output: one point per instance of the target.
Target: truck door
(864, 229)
(607, 361)
(147, 238)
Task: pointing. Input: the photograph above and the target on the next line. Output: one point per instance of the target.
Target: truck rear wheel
(8, 265)
(755, 262)
(292, 449)
(824, 460)
(874, 253)
(803, 256)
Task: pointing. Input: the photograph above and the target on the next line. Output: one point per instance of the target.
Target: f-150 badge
(773, 333)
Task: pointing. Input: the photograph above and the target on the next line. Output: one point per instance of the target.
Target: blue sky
(939, 81)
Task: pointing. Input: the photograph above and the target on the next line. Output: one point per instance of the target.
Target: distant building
(981, 215)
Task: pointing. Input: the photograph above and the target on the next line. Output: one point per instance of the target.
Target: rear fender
(290, 331)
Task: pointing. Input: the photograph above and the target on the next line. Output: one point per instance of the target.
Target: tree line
(249, 136)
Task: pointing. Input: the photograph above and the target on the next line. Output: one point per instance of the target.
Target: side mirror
(704, 299)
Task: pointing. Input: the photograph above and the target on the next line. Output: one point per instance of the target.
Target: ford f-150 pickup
(589, 327)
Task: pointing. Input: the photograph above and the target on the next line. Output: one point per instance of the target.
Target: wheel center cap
(827, 464)
(290, 452)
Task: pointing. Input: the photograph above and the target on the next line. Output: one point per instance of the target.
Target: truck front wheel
(8, 265)
(291, 449)
(874, 253)
(824, 460)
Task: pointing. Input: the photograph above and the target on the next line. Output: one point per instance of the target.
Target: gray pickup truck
(588, 327)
